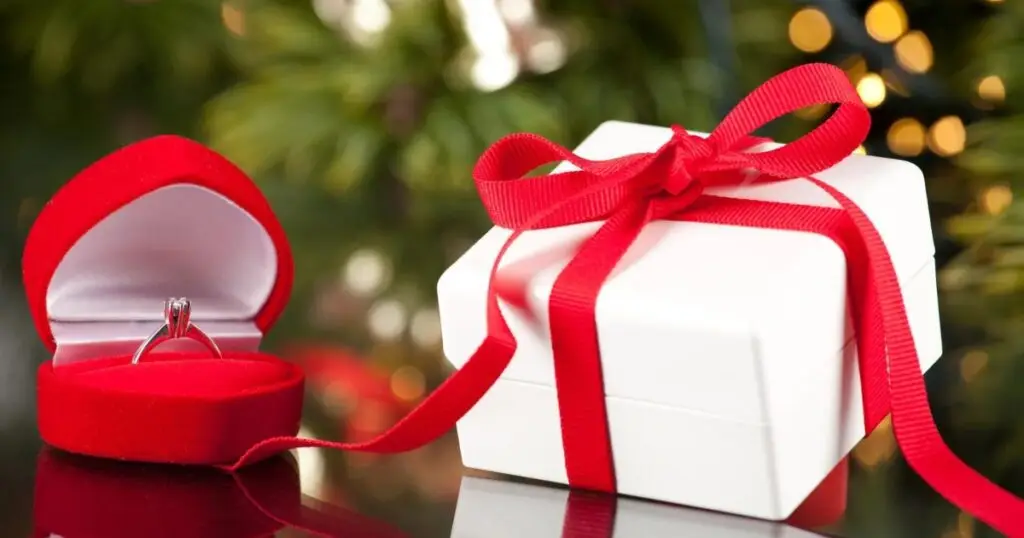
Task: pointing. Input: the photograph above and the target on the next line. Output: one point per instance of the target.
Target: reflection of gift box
(161, 218)
(501, 509)
(728, 360)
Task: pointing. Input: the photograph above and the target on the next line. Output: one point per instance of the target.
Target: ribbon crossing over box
(727, 354)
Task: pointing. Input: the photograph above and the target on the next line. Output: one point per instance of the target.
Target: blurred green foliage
(365, 140)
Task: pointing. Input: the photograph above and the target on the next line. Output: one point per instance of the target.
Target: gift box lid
(164, 217)
(739, 289)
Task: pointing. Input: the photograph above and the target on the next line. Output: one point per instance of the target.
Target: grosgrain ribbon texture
(629, 192)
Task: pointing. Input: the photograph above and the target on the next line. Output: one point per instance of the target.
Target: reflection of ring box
(499, 509)
(729, 364)
(162, 218)
(78, 497)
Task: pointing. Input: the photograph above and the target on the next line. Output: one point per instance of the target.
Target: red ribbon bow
(629, 192)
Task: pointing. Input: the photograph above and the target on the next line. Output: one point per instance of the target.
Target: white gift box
(500, 509)
(729, 364)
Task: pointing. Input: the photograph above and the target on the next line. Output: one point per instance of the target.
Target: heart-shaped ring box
(164, 217)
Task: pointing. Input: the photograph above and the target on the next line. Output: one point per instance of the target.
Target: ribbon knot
(686, 155)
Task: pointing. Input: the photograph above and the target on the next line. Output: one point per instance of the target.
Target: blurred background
(361, 120)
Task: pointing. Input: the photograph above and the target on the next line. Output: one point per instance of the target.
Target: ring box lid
(164, 217)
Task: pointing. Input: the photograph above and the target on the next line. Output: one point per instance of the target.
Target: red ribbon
(629, 192)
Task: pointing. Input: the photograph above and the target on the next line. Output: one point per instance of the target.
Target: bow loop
(682, 167)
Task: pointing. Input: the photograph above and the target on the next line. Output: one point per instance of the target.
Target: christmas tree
(361, 120)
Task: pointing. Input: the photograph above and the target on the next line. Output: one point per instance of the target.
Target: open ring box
(165, 217)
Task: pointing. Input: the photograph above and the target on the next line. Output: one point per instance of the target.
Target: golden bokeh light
(871, 89)
(906, 137)
(861, 150)
(233, 18)
(965, 525)
(914, 52)
(812, 112)
(886, 21)
(972, 364)
(947, 136)
(996, 199)
(992, 89)
(810, 30)
(855, 66)
(407, 383)
(878, 447)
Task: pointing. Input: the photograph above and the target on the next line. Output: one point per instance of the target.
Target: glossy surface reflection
(79, 497)
(501, 509)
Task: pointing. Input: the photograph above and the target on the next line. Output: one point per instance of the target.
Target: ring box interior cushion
(165, 217)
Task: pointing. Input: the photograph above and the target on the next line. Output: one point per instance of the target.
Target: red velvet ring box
(165, 217)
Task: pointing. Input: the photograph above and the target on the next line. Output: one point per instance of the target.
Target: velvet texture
(183, 408)
(170, 408)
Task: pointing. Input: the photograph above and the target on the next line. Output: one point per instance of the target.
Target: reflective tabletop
(49, 493)
(428, 493)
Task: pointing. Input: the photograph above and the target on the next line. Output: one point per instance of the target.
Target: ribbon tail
(913, 425)
(440, 411)
(316, 517)
(431, 419)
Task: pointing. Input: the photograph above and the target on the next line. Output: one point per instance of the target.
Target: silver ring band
(177, 324)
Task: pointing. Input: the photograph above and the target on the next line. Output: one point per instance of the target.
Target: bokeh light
(914, 52)
(992, 89)
(996, 199)
(871, 89)
(906, 137)
(886, 21)
(810, 30)
(947, 136)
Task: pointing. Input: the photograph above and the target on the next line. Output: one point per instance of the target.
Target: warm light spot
(972, 364)
(812, 112)
(947, 136)
(810, 30)
(366, 272)
(886, 21)
(878, 447)
(861, 150)
(906, 137)
(312, 467)
(547, 52)
(855, 66)
(871, 89)
(387, 320)
(995, 199)
(953, 278)
(493, 72)
(965, 525)
(407, 383)
(233, 18)
(991, 88)
(425, 328)
(914, 52)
